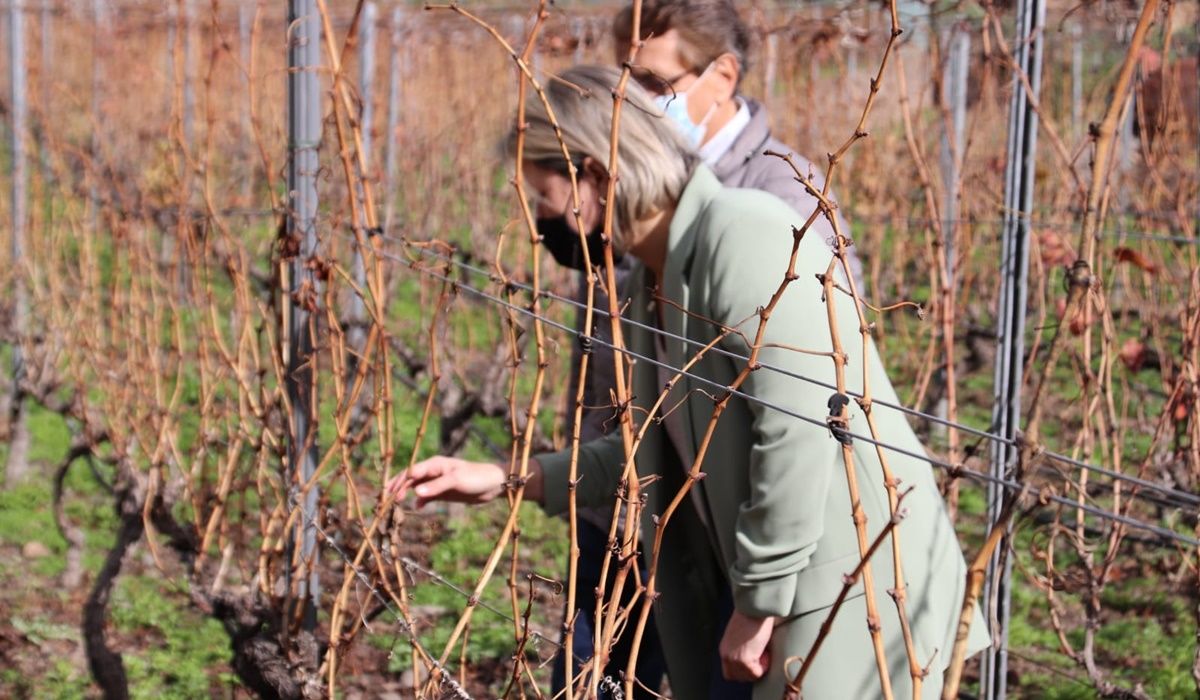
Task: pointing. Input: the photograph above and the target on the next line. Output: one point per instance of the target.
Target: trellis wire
(411, 565)
(1043, 224)
(1175, 497)
(310, 522)
(1162, 532)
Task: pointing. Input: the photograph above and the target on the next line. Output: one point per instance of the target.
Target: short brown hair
(707, 29)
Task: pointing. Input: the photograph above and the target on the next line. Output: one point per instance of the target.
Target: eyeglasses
(654, 83)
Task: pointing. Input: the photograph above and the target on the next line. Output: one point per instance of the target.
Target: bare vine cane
(523, 638)
(1084, 299)
(363, 217)
(522, 442)
(839, 418)
(946, 299)
(522, 63)
(337, 638)
(519, 470)
(363, 224)
(975, 578)
(605, 630)
(898, 592)
(376, 337)
(1087, 290)
(1080, 278)
(839, 413)
(793, 689)
(651, 418)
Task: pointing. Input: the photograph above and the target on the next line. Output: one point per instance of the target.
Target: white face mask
(675, 108)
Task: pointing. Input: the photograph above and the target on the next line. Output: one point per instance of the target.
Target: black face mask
(563, 243)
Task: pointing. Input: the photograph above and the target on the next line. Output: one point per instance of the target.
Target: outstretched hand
(454, 479)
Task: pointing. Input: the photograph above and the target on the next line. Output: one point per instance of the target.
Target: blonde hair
(654, 164)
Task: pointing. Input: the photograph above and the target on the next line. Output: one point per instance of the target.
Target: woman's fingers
(445, 487)
(420, 472)
(745, 647)
(398, 485)
(450, 479)
(746, 669)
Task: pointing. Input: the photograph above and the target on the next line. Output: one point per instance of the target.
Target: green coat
(775, 488)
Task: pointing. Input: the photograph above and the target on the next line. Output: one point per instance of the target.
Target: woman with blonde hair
(752, 562)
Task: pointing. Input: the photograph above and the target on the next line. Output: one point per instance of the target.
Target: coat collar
(749, 143)
(699, 192)
(681, 238)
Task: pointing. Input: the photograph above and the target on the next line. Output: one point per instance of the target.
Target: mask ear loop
(709, 115)
(712, 109)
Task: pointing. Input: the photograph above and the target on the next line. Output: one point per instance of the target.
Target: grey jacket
(746, 165)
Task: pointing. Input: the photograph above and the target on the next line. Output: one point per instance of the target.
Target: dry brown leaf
(1133, 257)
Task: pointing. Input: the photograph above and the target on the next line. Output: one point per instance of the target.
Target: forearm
(535, 483)
(597, 471)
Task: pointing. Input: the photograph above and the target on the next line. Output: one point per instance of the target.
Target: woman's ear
(596, 171)
(729, 72)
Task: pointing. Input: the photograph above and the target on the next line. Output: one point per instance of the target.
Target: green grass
(1147, 637)
(182, 651)
(177, 655)
(178, 652)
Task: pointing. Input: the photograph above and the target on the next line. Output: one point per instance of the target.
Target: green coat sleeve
(792, 463)
(601, 463)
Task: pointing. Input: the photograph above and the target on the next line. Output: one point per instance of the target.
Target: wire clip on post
(838, 422)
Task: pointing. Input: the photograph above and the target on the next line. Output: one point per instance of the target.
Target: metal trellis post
(395, 83)
(302, 294)
(954, 99)
(1077, 79)
(1020, 173)
(44, 70)
(100, 34)
(579, 31)
(1127, 144)
(245, 20)
(769, 65)
(357, 314)
(19, 444)
(175, 252)
(169, 56)
(954, 94)
(366, 73)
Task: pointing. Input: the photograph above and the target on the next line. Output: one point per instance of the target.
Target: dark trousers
(651, 667)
